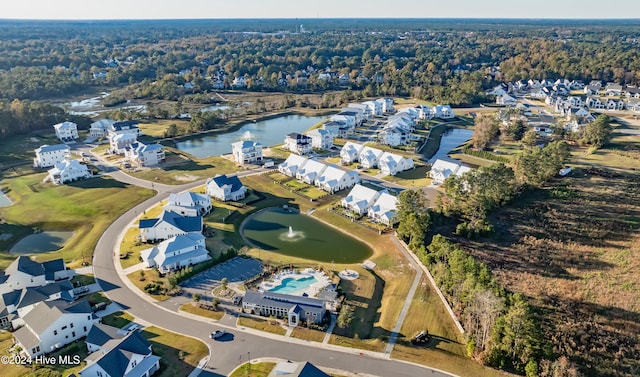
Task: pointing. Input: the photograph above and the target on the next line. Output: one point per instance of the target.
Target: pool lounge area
(309, 282)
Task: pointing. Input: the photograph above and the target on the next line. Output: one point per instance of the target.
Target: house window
(99, 373)
(71, 325)
(55, 332)
(63, 328)
(73, 334)
(88, 317)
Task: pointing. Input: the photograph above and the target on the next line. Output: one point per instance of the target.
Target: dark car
(218, 334)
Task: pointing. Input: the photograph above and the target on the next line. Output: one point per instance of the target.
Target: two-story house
(225, 188)
(298, 143)
(247, 152)
(66, 131)
(68, 171)
(49, 155)
(141, 155)
(176, 252)
(168, 225)
(189, 203)
(321, 139)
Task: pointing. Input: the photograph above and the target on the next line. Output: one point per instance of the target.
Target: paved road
(225, 355)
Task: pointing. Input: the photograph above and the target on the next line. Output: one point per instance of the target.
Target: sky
(172, 9)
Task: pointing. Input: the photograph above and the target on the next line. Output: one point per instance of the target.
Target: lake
(451, 139)
(42, 242)
(267, 132)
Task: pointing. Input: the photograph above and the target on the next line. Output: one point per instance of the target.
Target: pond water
(4, 200)
(451, 139)
(296, 235)
(267, 132)
(42, 242)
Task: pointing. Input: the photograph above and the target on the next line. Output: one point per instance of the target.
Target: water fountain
(290, 234)
(246, 135)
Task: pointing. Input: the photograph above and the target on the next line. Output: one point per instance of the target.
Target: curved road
(225, 356)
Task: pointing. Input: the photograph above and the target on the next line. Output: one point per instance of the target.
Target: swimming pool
(291, 285)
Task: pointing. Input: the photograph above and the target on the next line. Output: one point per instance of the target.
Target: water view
(4, 200)
(451, 139)
(42, 242)
(267, 132)
(269, 230)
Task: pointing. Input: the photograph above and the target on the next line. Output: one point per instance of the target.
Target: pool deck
(312, 290)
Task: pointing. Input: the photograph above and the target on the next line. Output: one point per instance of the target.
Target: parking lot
(235, 270)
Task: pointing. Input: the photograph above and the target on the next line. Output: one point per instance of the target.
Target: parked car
(218, 334)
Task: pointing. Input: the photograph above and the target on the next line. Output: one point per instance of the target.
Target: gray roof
(186, 224)
(30, 267)
(302, 369)
(117, 354)
(100, 333)
(283, 301)
(52, 148)
(26, 337)
(47, 312)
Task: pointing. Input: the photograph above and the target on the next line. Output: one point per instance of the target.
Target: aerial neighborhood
(320, 197)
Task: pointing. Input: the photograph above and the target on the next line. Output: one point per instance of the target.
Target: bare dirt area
(574, 250)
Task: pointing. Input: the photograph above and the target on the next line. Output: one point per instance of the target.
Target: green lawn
(253, 370)
(416, 177)
(179, 170)
(308, 334)
(179, 354)
(20, 148)
(262, 325)
(117, 319)
(86, 207)
(189, 308)
(157, 128)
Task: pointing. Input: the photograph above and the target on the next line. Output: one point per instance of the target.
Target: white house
(506, 100)
(298, 143)
(247, 152)
(291, 165)
(392, 136)
(100, 128)
(442, 169)
(633, 105)
(350, 152)
(100, 334)
(348, 120)
(334, 179)
(239, 82)
(294, 308)
(374, 107)
(49, 155)
(225, 188)
(66, 131)
(125, 127)
(321, 139)
(360, 199)
(141, 155)
(119, 142)
(68, 171)
(337, 129)
(51, 325)
(384, 209)
(369, 157)
(614, 104)
(176, 252)
(392, 164)
(613, 89)
(594, 103)
(127, 356)
(168, 225)
(189, 203)
(387, 104)
(24, 272)
(359, 110)
(444, 112)
(311, 170)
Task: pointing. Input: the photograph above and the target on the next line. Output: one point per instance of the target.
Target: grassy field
(253, 370)
(179, 354)
(150, 276)
(189, 308)
(19, 149)
(117, 319)
(414, 178)
(179, 170)
(157, 128)
(308, 334)
(262, 325)
(574, 250)
(87, 207)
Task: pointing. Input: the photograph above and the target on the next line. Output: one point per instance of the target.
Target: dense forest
(447, 61)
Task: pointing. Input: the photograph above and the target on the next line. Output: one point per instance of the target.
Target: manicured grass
(86, 207)
(261, 324)
(472, 161)
(308, 334)
(19, 149)
(253, 370)
(117, 319)
(150, 276)
(179, 354)
(416, 177)
(375, 345)
(83, 279)
(97, 297)
(187, 170)
(131, 246)
(190, 308)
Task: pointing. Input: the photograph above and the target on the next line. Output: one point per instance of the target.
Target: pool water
(290, 285)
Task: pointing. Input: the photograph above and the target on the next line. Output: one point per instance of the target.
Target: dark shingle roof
(101, 333)
(223, 180)
(116, 360)
(186, 224)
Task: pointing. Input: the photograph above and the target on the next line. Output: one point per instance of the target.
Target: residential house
(247, 152)
(576, 85)
(100, 128)
(442, 169)
(384, 209)
(614, 104)
(51, 325)
(49, 155)
(239, 82)
(349, 121)
(291, 165)
(344, 79)
(125, 127)
(374, 107)
(392, 164)
(128, 356)
(352, 113)
(176, 252)
(100, 334)
(350, 152)
(498, 90)
(387, 104)
(363, 112)
(393, 136)
(576, 112)
(360, 199)
(167, 225)
(337, 129)
(66, 131)
(574, 101)
(506, 100)
(291, 369)
(142, 155)
(67, 171)
(298, 143)
(613, 89)
(310, 171)
(633, 105)
(369, 157)
(444, 112)
(543, 129)
(295, 308)
(590, 89)
(593, 103)
(24, 272)
(631, 92)
(334, 179)
(189, 204)
(321, 139)
(226, 188)
(533, 84)
(17, 303)
(119, 142)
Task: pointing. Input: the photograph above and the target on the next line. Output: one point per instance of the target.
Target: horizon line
(329, 18)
